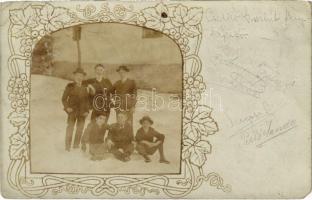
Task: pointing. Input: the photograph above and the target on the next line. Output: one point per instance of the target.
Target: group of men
(99, 96)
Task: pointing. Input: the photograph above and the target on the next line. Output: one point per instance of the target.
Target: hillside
(165, 78)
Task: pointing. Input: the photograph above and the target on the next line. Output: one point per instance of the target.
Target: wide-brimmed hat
(123, 67)
(146, 118)
(80, 71)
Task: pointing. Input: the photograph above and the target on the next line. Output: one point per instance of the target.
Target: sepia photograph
(106, 98)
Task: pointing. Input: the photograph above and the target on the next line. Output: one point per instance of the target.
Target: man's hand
(110, 144)
(155, 144)
(148, 144)
(85, 114)
(69, 110)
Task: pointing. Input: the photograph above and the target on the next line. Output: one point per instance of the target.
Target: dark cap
(123, 67)
(99, 65)
(122, 113)
(146, 118)
(79, 70)
(100, 114)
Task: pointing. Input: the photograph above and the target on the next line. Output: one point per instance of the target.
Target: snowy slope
(48, 123)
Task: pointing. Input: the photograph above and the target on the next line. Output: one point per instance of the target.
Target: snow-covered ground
(48, 124)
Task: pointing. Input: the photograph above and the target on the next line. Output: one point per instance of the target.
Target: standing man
(125, 92)
(100, 92)
(75, 100)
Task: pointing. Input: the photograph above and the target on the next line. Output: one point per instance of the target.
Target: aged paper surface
(118, 99)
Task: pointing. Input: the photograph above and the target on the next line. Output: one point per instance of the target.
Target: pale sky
(115, 43)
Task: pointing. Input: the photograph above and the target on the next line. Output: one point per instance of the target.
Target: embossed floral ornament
(19, 140)
(157, 17)
(53, 18)
(196, 127)
(196, 151)
(199, 123)
(23, 20)
(19, 146)
(19, 120)
(187, 20)
(184, 20)
(194, 86)
(119, 11)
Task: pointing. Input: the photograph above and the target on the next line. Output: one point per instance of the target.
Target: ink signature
(261, 127)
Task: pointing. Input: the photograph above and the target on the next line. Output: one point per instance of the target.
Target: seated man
(149, 140)
(94, 135)
(120, 138)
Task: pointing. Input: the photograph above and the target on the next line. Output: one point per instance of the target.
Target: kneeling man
(120, 138)
(149, 140)
(94, 135)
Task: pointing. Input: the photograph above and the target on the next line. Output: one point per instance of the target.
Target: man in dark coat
(120, 138)
(149, 140)
(75, 100)
(125, 93)
(94, 136)
(100, 93)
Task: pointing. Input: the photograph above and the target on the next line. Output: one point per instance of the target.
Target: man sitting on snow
(120, 138)
(149, 140)
(94, 135)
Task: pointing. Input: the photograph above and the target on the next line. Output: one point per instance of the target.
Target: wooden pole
(76, 37)
(79, 53)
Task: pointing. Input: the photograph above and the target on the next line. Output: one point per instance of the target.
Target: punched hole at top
(164, 15)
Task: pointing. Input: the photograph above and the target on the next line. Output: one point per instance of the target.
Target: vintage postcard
(155, 99)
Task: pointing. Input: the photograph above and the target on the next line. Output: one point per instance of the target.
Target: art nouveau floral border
(183, 24)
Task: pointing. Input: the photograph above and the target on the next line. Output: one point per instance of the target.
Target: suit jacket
(121, 136)
(125, 94)
(104, 88)
(150, 136)
(77, 98)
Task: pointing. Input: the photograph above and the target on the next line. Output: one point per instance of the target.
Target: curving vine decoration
(183, 24)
